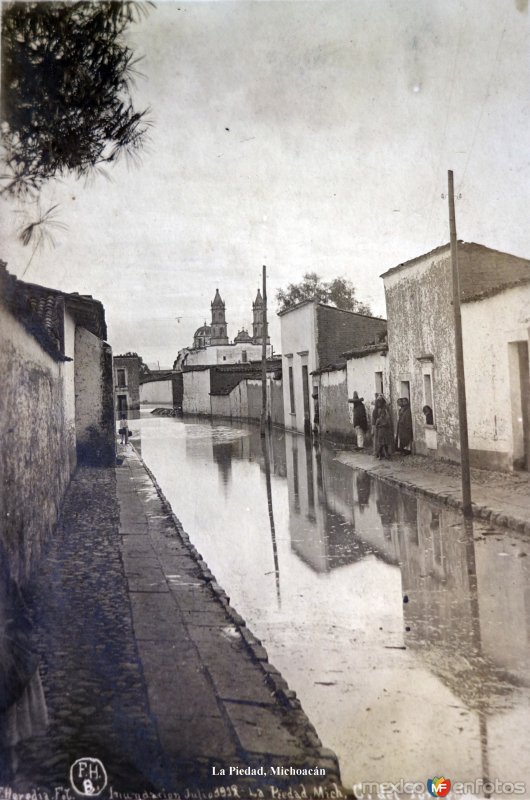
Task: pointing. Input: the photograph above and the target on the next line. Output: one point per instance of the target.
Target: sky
(307, 136)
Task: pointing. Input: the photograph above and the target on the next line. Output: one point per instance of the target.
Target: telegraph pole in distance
(459, 352)
(264, 356)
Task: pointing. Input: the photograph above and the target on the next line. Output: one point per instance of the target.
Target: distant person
(375, 413)
(360, 420)
(124, 429)
(384, 438)
(404, 434)
(429, 416)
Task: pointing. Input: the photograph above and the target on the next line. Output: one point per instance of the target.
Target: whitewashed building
(495, 297)
(313, 337)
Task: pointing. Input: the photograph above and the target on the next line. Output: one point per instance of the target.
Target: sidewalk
(146, 666)
(216, 701)
(502, 498)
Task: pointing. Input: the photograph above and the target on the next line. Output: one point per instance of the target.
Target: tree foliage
(339, 292)
(66, 99)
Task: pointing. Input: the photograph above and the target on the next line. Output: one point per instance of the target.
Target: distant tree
(339, 292)
(143, 368)
(66, 91)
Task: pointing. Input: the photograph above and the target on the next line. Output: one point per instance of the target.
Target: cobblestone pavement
(94, 688)
(503, 498)
(144, 663)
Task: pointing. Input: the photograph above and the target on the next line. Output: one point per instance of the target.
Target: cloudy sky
(301, 135)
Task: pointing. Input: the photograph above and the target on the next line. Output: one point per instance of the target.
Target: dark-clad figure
(360, 420)
(375, 412)
(404, 433)
(384, 438)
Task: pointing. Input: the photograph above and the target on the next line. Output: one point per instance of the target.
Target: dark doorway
(305, 388)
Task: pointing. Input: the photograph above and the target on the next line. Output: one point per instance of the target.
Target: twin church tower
(216, 333)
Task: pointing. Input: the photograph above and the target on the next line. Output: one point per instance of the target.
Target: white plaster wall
(233, 405)
(361, 378)
(488, 326)
(298, 334)
(88, 387)
(68, 374)
(196, 398)
(225, 354)
(157, 392)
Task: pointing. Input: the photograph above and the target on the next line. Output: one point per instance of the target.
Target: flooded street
(404, 632)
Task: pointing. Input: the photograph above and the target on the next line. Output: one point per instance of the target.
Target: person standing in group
(375, 413)
(383, 430)
(124, 429)
(360, 421)
(404, 434)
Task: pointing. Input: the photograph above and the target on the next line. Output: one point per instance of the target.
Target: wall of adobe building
(361, 374)
(196, 394)
(334, 420)
(338, 331)
(94, 400)
(233, 405)
(298, 331)
(421, 322)
(35, 430)
(274, 400)
(492, 329)
(131, 364)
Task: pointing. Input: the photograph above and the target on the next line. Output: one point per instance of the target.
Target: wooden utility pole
(264, 356)
(459, 352)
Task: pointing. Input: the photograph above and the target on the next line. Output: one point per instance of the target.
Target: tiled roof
(377, 347)
(41, 311)
(330, 368)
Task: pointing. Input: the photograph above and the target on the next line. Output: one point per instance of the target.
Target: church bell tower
(257, 320)
(219, 331)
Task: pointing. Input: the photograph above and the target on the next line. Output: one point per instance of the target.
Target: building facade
(127, 385)
(233, 391)
(315, 336)
(55, 406)
(495, 298)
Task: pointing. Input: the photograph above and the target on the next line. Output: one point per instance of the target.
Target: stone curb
(272, 677)
(479, 511)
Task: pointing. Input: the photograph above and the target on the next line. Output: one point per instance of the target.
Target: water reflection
(403, 629)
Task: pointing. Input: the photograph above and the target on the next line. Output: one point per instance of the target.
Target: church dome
(204, 330)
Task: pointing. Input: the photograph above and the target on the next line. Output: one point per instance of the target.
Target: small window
(120, 377)
(427, 399)
(405, 390)
(379, 383)
(427, 390)
(244, 355)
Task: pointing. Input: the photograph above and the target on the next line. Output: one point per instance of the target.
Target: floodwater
(403, 631)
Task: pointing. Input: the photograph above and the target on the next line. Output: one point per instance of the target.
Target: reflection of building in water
(320, 534)
(222, 455)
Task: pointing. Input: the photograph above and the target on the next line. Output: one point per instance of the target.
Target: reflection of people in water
(22, 704)
(386, 502)
(363, 482)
